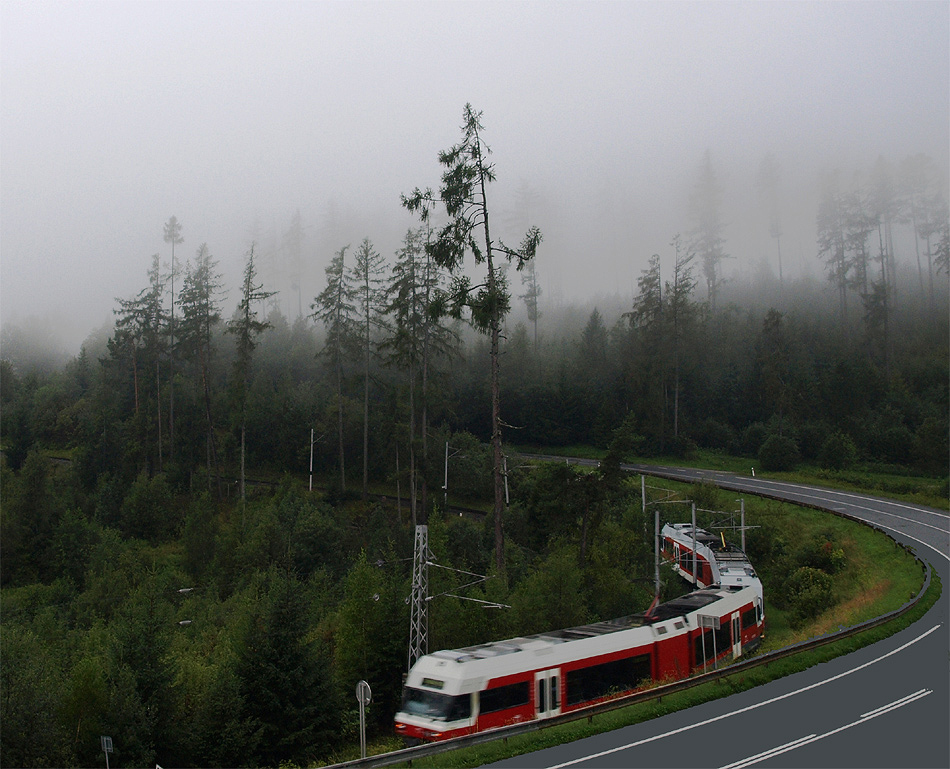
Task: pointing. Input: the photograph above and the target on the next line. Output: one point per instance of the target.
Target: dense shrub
(822, 553)
(838, 452)
(681, 447)
(753, 437)
(807, 594)
(811, 438)
(932, 444)
(713, 434)
(778, 453)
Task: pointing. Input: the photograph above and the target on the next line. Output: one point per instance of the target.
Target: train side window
(555, 694)
(723, 637)
(461, 708)
(504, 697)
(748, 618)
(595, 681)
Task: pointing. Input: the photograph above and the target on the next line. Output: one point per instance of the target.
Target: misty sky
(234, 115)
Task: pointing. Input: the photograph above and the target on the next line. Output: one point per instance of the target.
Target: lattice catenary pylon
(419, 615)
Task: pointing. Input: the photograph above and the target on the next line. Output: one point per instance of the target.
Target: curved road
(886, 705)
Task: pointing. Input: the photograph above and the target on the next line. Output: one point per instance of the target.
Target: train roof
(675, 608)
(685, 532)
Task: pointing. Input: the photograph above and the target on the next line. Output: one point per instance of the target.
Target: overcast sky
(234, 115)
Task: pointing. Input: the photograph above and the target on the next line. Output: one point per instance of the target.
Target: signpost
(363, 696)
(106, 748)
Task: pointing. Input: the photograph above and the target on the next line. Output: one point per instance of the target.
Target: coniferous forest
(208, 513)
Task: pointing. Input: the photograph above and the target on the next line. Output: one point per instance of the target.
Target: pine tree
(246, 327)
(335, 308)
(679, 314)
(369, 294)
(463, 194)
(200, 314)
(415, 338)
(172, 235)
(707, 238)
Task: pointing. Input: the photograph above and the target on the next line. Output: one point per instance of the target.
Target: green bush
(807, 594)
(753, 437)
(778, 453)
(838, 452)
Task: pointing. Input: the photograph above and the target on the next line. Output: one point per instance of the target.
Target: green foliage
(288, 699)
(148, 511)
(551, 597)
(838, 452)
(932, 444)
(807, 593)
(706, 495)
(371, 642)
(778, 453)
(199, 537)
(31, 689)
(72, 544)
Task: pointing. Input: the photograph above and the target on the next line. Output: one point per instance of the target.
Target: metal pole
(656, 550)
(643, 501)
(504, 462)
(695, 576)
(311, 459)
(742, 521)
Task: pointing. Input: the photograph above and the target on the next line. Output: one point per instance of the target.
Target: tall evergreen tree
(414, 332)
(463, 194)
(680, 313)
(335, 308)
(172, 235)
(285, 684)
(369, 294)
(707, 239)
(767, 180)
(832, 240)
(140, 328)
(649, 347)
(916, 186)
(199, 301)
(246, 326)
(531, 295)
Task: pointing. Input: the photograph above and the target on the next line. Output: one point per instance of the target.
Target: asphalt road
(887, 705)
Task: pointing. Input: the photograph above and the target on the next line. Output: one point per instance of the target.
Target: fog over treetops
(238, 117)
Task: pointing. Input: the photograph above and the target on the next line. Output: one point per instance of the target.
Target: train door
(547, 693)
(736, 634)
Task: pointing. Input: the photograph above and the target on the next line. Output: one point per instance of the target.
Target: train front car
(436, 701)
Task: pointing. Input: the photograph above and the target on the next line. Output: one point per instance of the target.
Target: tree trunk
(339, 415)
(495, 388)
(366, 418)
(158, 403)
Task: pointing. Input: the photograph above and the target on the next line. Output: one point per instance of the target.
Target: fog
(235, 116)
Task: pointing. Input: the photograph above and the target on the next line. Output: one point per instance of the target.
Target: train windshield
(435, 705)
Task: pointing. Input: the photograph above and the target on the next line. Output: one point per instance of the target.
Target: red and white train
(716, 563)
(461, 691)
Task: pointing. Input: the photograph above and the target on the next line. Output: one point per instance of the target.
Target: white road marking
(751, 760)
(749, 707)
(771, 752)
